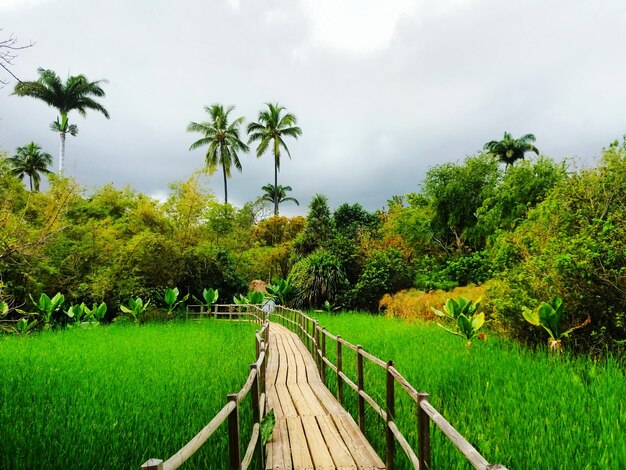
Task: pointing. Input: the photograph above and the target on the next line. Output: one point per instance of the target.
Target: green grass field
(112, 397)
(519, 408)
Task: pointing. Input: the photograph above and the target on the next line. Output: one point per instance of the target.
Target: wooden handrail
(254, 385)
(299, 323)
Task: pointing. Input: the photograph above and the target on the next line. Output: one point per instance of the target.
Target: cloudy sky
(382, 90)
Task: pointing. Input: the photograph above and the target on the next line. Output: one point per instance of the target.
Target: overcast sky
(382, 90)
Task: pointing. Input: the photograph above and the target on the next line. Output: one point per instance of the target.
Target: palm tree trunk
(275, 186)
(30, 179)
(225, 184)
(62, 153)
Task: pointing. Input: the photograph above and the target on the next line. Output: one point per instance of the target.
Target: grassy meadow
(112, 397)
(518, 407)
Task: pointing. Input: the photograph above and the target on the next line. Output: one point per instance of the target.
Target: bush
(317, 278)
(384, 272)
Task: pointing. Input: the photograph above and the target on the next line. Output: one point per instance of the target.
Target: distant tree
(271, 128)
(30, 160)
(222, 139)
(277, 195)
(77, 93)
(8, 53)
(509, 150)
(319, 229)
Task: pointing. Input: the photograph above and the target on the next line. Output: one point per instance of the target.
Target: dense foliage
(531, 230)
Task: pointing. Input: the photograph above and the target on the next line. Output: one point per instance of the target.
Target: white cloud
(8, 5)
(364, 26)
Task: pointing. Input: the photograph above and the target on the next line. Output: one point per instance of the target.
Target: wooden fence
(315, 337)
(255, 386)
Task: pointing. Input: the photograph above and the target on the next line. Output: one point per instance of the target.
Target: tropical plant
(509, 150)
(317, 278)
(96, 313)
(77, 93)
(30, 160)
(210, 296)
(277, 195)
(23, 327)
(222, 139)
(170, 297)
(269, 130)
(253, 297)
(47, 308)
(464, 313)
(549, 316)
(76, 312)
(327, 307)
(4, 308)
(280, 291)
(136, 308)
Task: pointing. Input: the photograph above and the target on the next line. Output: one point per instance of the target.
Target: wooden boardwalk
(312, 429)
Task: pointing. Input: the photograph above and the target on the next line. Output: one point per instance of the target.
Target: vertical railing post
(215, 311)
(339, 379)
(230, 311)
(256, 413)
(234, 437)
(323, 355)
(391, 411)
(316, 335)
(423, 432)
(359, 383)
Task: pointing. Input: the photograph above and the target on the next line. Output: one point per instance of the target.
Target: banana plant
(96, 313)
(327, 307)
(47, 308)
(252, 298)
(464, 313)
(171, 299)
(136, 308)
(210, 296)
(76, 312)
(549, 316)
(280, 291)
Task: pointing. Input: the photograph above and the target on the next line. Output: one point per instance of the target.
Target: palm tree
(509, 150)
(277, 195)
(271, 127)
(30, 160)
(77, 93)
(223, 141)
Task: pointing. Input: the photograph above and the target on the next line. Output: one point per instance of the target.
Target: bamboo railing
(315, 337)
(255, 386)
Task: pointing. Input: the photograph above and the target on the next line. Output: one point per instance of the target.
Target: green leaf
(531, 316)
(267, 427)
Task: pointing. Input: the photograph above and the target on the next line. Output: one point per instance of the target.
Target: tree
(30, 160)
(77, 93)
(223, 140)
(8, 52)
(277, 195)
(509, 150)
(271, 128)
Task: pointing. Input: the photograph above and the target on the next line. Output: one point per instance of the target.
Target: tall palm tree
(509, 150)
(223, 141)
(30, 160)
(271, 127)
(277, 195)
(77, 93)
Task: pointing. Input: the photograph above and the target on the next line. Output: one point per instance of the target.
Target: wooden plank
(338, 450)
(279, 444)
(298, 359)
(311, 369)
(286, 403)
(300, 402)
(313, 400)
(360, 449)
(298, 444)
(319, 452)
(273, 403)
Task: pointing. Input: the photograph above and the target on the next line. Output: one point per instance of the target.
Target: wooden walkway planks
(313, 431)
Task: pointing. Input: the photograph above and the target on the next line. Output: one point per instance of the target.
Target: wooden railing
(314, 337)
(255, 386)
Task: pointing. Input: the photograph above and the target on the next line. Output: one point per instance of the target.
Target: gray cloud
(378, 106)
